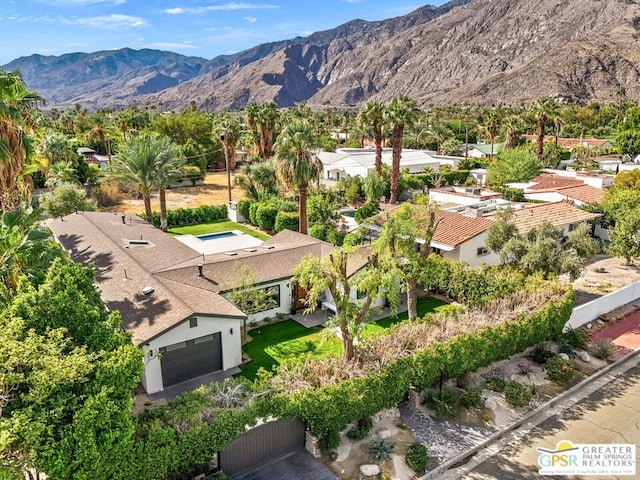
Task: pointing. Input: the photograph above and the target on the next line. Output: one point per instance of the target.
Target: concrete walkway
(297, 465)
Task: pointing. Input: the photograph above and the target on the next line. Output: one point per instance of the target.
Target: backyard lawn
(272, 344)
(215, 227)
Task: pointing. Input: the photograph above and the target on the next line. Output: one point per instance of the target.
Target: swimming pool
(216, 236)
(348, 213)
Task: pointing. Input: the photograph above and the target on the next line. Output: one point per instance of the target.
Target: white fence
(588, 312)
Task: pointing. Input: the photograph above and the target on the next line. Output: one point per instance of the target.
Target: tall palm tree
(168, 167)
(99, 133)
(297, 164)
(512, 127)
(267, 121)
(15, 101)
(135, 165)
(373, 113)
(492, 128)
(402, 111)
(542, 109)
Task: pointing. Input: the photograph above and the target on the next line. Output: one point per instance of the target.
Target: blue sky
(203, 28)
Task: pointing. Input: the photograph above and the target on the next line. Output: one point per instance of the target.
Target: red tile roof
(552, 182)
(558, 214)
(583, 193)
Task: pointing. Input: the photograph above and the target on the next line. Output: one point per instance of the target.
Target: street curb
(518, 423)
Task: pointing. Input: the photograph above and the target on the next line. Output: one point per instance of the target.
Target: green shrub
(253, 209)
(565, 348)
(191, 216)
(362, 429)
(329, 441)
(575, 338)
(319, 231)
(266, 217)
(540, 355)
(517, 395)
(445, 404)
(496, 384)
(367, 210)
(243, 208)
(416, 457)
(603, 349)
(560, 370)
(471, 397)
(380, 450)
(288, 221)
(335, 237)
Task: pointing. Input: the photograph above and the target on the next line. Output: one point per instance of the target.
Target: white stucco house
(172, 298)
(554, 188)
(351, 162)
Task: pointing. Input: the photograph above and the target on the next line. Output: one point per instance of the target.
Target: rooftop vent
(139, 242)
(250, 250)
(147, 290)
(267, 247)
(231, 254)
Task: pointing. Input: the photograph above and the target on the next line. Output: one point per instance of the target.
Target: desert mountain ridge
(484, 52)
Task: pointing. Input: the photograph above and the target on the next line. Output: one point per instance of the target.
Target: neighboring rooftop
(557, 214)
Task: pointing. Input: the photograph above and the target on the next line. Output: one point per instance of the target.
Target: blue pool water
(348, 213)
(215, 236)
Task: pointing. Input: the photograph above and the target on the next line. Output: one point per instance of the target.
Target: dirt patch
(212, 192)
(602, 276)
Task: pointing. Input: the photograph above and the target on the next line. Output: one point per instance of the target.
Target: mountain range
(485, 52)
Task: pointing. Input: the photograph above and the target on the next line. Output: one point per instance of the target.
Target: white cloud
(232, 34)
(250, 19)
(224, 7)
(62, 3)
(109, 22)
(171, 46)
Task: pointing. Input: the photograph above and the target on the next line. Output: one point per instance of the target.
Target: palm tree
(98, 132)
(558, 123)
(61, 172)
(542, 109)
(492, 128)
(401, 112)
(373, 113)
(15, 101)
(297, 165)
(229, 130)
(267, 122)
(168, 167)
(135, 165)
(512, 127)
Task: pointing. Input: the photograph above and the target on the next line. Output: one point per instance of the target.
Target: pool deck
(219, 245)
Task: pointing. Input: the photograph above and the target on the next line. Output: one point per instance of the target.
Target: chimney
(200, 274)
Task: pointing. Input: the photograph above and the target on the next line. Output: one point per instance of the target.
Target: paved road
(609, 412)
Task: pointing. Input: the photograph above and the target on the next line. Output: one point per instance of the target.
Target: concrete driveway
(300, 465)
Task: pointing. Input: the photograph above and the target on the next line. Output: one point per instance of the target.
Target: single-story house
(555, 188)
(458, 237)
(482, 150)
(173, 299)
(461, 195)
(351, 162)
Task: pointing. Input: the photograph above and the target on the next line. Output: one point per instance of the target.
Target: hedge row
(190, 216)
(457, 177)
(332, 408)
(270, 216)
(470, 286)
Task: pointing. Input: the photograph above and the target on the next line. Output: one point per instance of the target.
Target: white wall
(231, 346)
(286, 300)
(589, 312)
(628, 166)
(545, 196)
(468, 252)
(602, 233)
(458, 199)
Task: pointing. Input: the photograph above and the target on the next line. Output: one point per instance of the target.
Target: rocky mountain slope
(475, 51)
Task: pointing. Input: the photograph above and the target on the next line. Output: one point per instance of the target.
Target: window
(572, 226)
(274, 296)
(193, 322)
(482, 251)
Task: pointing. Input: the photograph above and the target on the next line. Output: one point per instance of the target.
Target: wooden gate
(261, 445)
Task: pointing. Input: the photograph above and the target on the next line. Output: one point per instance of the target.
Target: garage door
(185, 360)
(261, 445)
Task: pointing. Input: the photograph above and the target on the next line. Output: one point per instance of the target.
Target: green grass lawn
(215, 227)
(272, 344)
